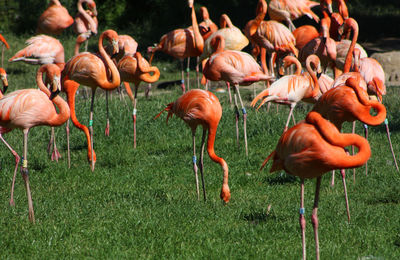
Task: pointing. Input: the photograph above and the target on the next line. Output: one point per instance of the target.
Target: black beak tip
(5, 89)
(54, 94)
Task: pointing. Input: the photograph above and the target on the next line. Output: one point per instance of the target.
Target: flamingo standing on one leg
(92, 71)
(4, 44)
(181, 43)
(136, 69)
(54, 19)
(85, 24)
(201, 107)
(310, 149)
(237, 68)
(28, 108)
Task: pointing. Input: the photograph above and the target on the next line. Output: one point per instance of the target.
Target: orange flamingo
(237, 68)
(92, 71)
(41, 49)
(201, 107)
(310, 149)
(207, 26)
(127, 46)
(136, 69)
(304, 34)
(4, 44)
(181, 43)
(28, 108)
(54, 19)
(289, 10)
(85, 24)
(271, 36)
(291, 89)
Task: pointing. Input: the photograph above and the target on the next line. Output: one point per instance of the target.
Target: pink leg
(194, 163)
(333, 178)
(290, 114)
(17, 159)
(366, 137)
(50, 144)
(390, 143)
(352, 150)
(147, 91)
(134, 116)
(91, 126)
(25, 176)
(198, 71)
(107, 130)
(202, 164)
(345, 194)
(188, 73)
(182, 78)
(314, 216)
(68, 148)
(244, 118)
(55, 155)
(229, 92)
(237, 121)
(302, 219)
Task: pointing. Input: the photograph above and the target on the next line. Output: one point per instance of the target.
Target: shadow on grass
(388, 199)
(259, 216)
(281, 179)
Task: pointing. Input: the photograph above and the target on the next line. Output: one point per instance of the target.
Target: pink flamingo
(54, 19)
(237, 68)
(136, 69)
(85, 24)
(93, 71)
(201, 107)
(28, 108)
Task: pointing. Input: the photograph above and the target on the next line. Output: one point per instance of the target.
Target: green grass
(142, 203)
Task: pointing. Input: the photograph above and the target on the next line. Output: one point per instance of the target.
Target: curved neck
(332, 135)
(204, 13)
(146, 71)
(198, 39)
(260, 12)
(225, 21)
(115, 78)
(293, 60)
(220, 44)
(343, 9)
(89, 19)
(354, 27)
(212, 130)
(314, 78)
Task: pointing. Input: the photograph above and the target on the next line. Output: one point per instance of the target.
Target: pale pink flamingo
(85, 24)
(201, 107)
(28, 108)
(237, 68)
(54, 19)
(93, 71)
(291, 89)
(181, 43)
(289, 10)
(136, 69)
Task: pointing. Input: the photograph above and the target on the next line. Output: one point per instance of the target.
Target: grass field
(141, 203)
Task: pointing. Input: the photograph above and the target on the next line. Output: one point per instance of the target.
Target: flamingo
(304, 34)
(201, 107)
(289, 10)
(237, 68)
(292, 88)
(54, 19)
(85, 24)
(207, 26)
(181, 43)
(127, 46)
(28, 108)
(40, 50)
(4, 43)
(270, 36)
(310, 149)
(136, 69)
(92, 71)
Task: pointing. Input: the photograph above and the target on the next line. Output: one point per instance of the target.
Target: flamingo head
(92, 7)
(53, 74)
(112, 37)
(326, 5)
(3, 76)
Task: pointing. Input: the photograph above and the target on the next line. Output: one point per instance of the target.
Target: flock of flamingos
(308, 150)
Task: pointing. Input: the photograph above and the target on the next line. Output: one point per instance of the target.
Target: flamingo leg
(194, 159)
(182, 78)
(17, 159)
(352, 150)
(134, 116)
(147, 91)
(366, 137)
(314, 216)
(50, 144)
(68, 147)
(201, 163)
(345, 194)
(302, 219)
(55, 154)
(237, 120)
(25, 176)
(333, 178)
(187, 73)
(244, 118)
(229, 92)
(91, 126)
(390, 143)
(290, 114)
(198, 71)
(107, 130)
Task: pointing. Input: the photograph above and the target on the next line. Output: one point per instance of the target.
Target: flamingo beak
(5, 83)
(55, 87)
(94, 10)
(115, 46)
(330, 10)
(190, 3)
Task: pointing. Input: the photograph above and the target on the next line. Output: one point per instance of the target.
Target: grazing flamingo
(270, 36)
(28, 108)
(85, 24)
(237, 68)
(181, 43)
(201, 107)
(289, 10)
(4, 44)
(41, 49)
(291, 89)
(310, 149)
(93, 71)
(54, 19)
(136, 69)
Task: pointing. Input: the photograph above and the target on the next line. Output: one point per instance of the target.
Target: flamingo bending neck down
(92, 71)
(200, 107)
(310, 149)
(28, 108)
(85, 24)
(236, 68)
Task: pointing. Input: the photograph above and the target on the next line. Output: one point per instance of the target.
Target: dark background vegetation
(147, 20)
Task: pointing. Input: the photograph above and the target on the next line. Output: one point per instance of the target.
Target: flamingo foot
(225, 193)
(107, 130)
(55, 155)
(183, 86)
